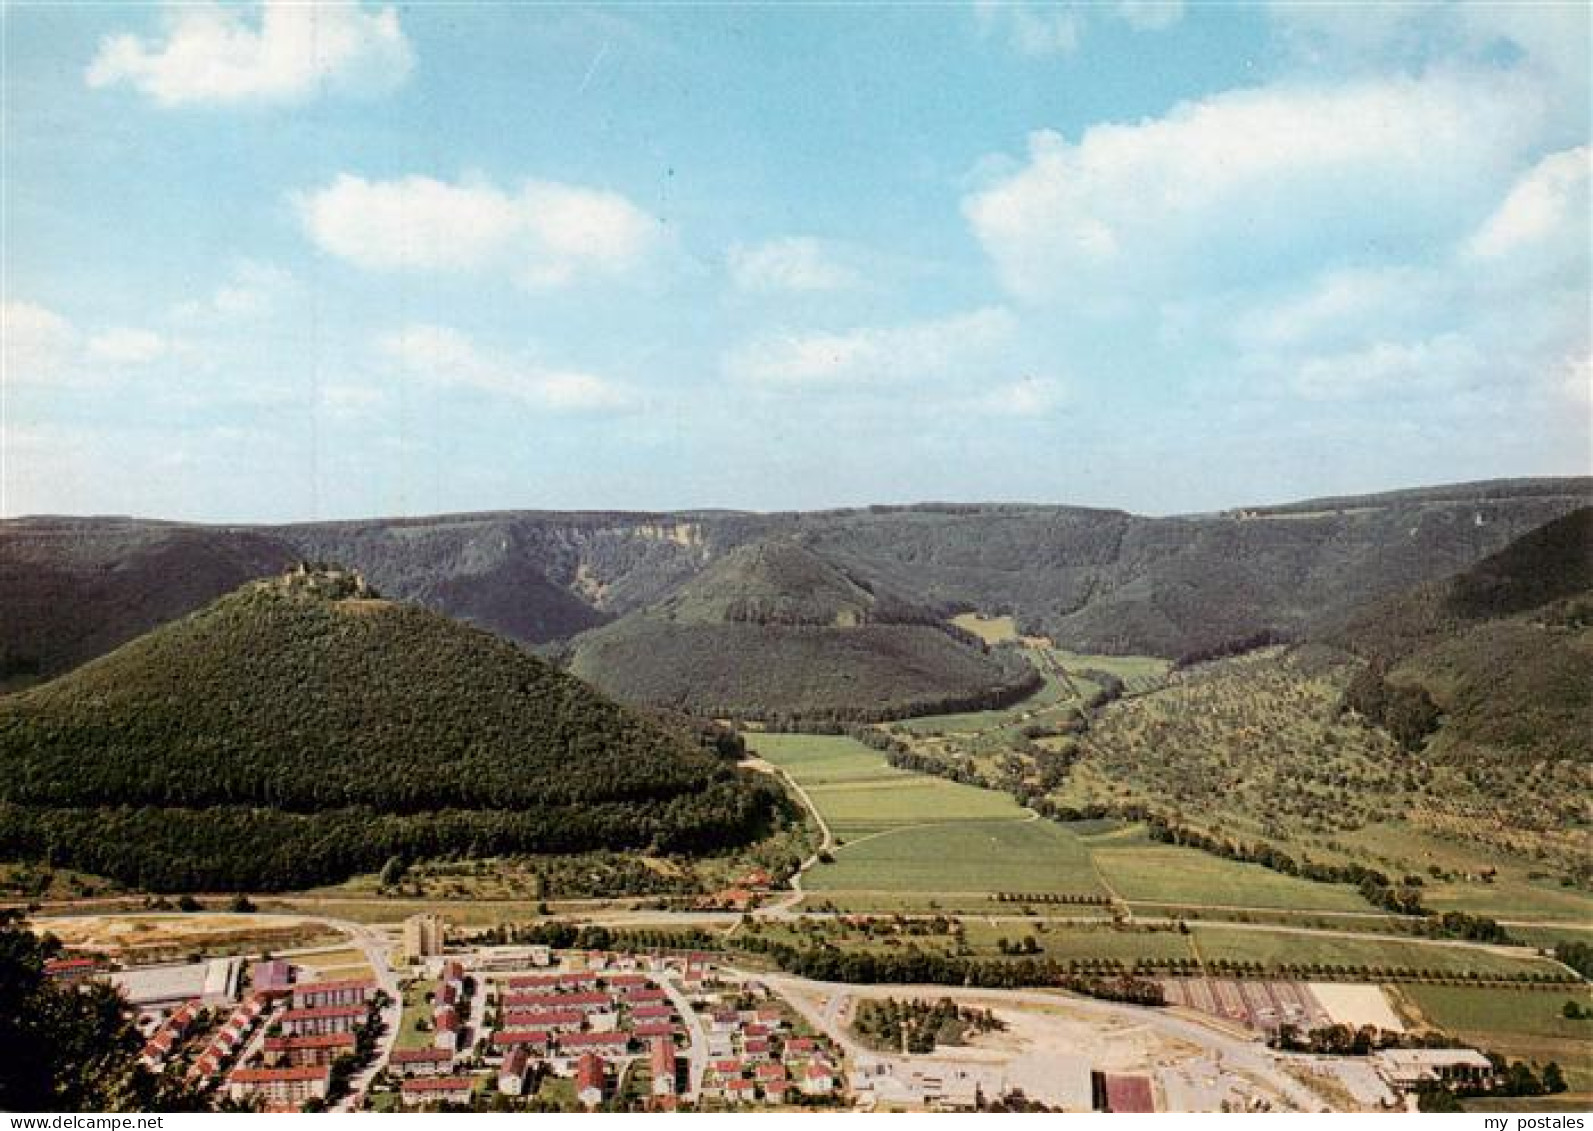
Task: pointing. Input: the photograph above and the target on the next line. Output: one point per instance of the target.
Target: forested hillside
(1503, 650)
(302, 729)
(773, 631)
(1095, 580)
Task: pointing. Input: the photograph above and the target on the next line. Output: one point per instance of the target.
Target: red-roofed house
(552, 1020)
(511, 1076)
(315, 1050)
(534, 1040)
(589, 1080)
(597, 1042)
(440, 1089)
(662, 1058)
(818, 1080)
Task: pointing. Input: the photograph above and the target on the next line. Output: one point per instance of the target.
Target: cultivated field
(1525, 1024)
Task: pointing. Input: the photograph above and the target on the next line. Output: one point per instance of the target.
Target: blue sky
(293, 261)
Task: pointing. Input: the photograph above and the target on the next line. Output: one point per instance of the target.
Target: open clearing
(201, 932)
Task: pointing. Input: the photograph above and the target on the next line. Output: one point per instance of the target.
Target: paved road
(376, 946)
(697, 1053)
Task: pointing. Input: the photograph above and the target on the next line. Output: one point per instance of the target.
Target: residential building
(589, 1074)
(347, 991)
(280, 1085)
(424, 936)
(314, 1050)
(437, 1089)
(421, 1062)
(324, 1019)
(512, 1074)
(662, 1059)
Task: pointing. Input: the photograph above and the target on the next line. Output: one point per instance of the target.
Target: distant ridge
(1095, 580)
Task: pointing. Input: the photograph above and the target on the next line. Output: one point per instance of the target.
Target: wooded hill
(772, 631)
(1503, 649)
(301, 729)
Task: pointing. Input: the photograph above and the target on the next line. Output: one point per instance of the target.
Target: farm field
(992, 630)
(1068, 941)
(1010, 855)
(1138, 673)
(1167, 875)
(1277, 948)
(904, 831)
(1524, 1024)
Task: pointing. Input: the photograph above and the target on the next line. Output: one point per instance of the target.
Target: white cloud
(1238, 186)
(1447, 363)
(125, 345)
(545, 234)
(916, 352)
(795, 263)
(37, 343)
(1549, 203)
(254, 290)
(216, 54)
(1349, 302)
(444, 356)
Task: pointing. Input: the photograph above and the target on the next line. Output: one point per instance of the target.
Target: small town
(431, 1022)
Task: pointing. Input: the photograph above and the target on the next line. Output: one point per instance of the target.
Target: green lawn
(1169, 875)
(416, 1009)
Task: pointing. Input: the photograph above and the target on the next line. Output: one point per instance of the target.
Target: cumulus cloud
(441, 355)
(543, 234)
(211, 53)
(871, 356)
(1229, 189)
(794, 263)
(1549, 203)
(37, 342)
